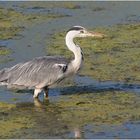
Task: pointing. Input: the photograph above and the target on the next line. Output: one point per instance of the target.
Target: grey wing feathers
(41, 71)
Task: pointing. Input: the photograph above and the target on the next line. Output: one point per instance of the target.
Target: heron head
(79, 31)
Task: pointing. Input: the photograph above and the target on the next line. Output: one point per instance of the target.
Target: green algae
(6, 106)
(7, 28)
(70, 5)
(50, 4)
(5, 60)
(9, 128)
(4, 51)
(100, 108)
(13, 22)
(68, 112)
(96, 9)
(115, 57)
(12, 122)
(6, 31)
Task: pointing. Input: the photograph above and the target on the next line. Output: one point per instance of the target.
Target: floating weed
(100, 108)
(8, 29)
(12, 121)
(12, 22)
(10, 127)
(5, 60)
(68, 112)
(50, 4)
(4, 51)
(96, 9)
(6, 106)
(70, 5)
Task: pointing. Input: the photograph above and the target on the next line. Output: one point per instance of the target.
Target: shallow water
(32, 43)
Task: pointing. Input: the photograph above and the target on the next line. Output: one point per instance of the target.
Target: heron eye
(82, 31)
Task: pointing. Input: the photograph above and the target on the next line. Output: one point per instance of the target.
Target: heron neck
(76, 63)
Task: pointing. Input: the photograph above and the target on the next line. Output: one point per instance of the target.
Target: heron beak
(95, 34)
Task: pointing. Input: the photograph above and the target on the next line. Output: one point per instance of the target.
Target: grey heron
(42, 72)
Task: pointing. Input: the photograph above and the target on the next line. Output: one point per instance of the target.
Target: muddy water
(48, 115)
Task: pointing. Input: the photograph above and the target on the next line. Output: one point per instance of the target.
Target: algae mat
(13, 22)
(62, 118)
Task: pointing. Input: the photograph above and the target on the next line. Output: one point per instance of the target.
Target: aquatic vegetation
(5, 60)
(12, 22)
(6, 106)
(70, 5)
(53, 118)
(23, 120)
(4, 51)
(100, 108)
(7, 28)
(96, 9)
(50, 4)
(12, 121)
(10, 127)
(115, 57)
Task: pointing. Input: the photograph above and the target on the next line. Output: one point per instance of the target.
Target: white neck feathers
(76, 63)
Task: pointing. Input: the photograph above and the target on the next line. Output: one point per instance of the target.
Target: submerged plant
(100, 108)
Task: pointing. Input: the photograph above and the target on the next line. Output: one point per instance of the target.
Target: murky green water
(85, 108)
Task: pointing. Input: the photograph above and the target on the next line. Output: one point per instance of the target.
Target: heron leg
(36, 92)
(46, 90)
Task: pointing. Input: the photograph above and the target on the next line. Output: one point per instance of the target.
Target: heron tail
(3, 77)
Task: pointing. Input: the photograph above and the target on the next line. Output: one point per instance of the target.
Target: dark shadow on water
(86, 84)
(100, 88)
